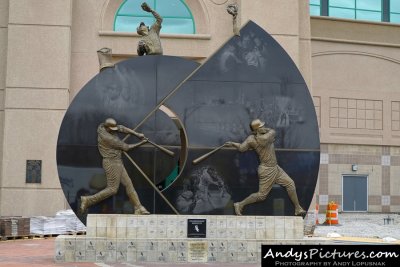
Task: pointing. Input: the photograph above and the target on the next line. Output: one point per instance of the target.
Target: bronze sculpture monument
(110, 148)
(116, 90)
(150, 43)
(262, 141)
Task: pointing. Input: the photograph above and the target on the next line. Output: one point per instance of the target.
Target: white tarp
(64, 222)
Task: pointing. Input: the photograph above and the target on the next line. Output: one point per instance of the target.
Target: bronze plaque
(197, 251)
(34, 171)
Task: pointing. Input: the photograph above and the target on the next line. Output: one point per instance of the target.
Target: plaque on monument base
(222, 238)
(196, 228)
(197, 251)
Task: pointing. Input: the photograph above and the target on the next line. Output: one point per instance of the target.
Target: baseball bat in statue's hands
(132, 146)
(232, 144)
(127, 130)
(163, 149)
(141, 136)
(228, 144)
(201, 158)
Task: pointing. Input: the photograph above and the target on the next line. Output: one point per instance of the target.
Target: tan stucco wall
(357, 63)
(3, 71)
(35, 99)
(355, 74)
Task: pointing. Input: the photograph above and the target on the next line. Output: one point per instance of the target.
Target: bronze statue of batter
(262, 141)
(110, 148)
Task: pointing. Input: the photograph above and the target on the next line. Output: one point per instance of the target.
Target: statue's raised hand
(232, 9)
(146, 7)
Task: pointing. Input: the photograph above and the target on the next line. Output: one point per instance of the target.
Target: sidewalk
(361, 225)
(27, 252)
(40, 252)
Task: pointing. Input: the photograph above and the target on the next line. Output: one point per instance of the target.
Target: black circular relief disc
(250, 77)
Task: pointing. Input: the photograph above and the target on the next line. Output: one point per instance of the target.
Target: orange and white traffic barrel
(332, 213)
(316, 213)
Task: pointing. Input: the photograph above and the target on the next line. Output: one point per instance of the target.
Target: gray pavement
(362, 225)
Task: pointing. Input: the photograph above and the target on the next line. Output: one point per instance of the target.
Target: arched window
(177, 17)
(315, 8)
(356, 9)
(395, 11)
(371, 10)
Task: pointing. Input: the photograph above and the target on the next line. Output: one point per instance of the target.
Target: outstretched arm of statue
(132, 146)
(123, 129)
(232, 144)
(157, 16)
(242, 147)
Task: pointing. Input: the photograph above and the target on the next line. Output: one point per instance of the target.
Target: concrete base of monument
(177, 238)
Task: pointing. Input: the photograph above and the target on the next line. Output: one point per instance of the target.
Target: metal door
(355, 193)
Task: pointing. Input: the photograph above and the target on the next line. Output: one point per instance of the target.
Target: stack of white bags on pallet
(65, 222)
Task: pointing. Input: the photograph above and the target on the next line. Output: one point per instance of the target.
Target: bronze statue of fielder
(262, 141)
(150, 43)
(110, 148)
